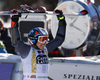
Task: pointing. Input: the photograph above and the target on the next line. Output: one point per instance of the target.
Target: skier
(35, 56)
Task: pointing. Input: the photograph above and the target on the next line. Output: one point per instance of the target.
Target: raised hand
(60, 15)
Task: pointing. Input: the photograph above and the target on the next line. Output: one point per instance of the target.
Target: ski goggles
(43, 39)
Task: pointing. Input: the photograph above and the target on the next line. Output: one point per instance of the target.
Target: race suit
(35, 61)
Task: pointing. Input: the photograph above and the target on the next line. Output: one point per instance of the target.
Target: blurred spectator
(2, 48)
(6, 40)
(49, 4)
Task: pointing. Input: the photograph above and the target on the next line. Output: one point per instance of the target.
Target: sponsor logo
(18, 71)
(81, 77)
(29, 76)
(1, 12)
(42, 59)
(42, 76)
(33, 76)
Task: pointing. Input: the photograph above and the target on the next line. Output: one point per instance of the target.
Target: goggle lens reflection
(43, 39)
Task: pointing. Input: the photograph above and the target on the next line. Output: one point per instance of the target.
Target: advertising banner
(70, 69)
(5, 71)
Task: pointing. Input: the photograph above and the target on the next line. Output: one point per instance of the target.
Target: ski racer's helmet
(35, 34)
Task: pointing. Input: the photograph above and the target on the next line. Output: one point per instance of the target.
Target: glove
(60, 16)
(15, 19)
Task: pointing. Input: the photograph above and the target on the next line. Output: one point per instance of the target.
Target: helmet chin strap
(35, 46)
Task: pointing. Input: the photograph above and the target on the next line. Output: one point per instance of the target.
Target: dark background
(11, 4)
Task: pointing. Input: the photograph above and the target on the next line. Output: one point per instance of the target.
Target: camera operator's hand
(60, 15)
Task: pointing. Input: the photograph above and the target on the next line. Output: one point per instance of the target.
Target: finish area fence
(70, 68)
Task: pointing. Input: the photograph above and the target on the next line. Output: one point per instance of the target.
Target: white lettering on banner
(81, 77)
